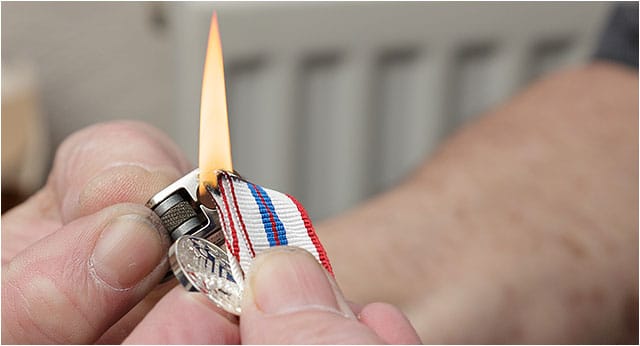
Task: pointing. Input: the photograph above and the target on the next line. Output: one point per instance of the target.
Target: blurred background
(331, 102)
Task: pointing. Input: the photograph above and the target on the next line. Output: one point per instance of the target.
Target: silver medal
(200, 265)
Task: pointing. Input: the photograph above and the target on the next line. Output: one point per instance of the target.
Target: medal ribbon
(255, 218)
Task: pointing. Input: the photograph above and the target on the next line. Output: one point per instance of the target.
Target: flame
(215, 144)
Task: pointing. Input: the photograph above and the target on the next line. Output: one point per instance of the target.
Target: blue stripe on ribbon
(264, 213)
(282, 232)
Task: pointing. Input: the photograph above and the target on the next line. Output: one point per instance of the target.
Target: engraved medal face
(200, 265)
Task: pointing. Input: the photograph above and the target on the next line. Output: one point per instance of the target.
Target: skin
(522, 228)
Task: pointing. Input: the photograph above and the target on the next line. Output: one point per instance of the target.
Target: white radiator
(334, 102)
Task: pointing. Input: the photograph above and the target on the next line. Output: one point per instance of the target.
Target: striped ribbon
(255, 218)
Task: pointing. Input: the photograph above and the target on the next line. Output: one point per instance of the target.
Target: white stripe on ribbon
(251, 214)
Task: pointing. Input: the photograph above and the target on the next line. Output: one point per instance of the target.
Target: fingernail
(129, 248)
(289, 279)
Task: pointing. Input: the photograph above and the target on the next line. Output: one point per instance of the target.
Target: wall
(332, 102)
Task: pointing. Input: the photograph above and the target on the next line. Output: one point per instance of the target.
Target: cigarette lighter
(182, 213)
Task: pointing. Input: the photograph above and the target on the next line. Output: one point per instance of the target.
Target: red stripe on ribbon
(322, 254)
(244, 228)
(235, 250)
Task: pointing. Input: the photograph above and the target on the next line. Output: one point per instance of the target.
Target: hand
(82, 259)
(84, 251)
(288, 299)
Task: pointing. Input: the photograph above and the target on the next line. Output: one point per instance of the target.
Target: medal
(200, 265)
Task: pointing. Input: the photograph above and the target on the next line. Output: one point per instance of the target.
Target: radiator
(334, 102)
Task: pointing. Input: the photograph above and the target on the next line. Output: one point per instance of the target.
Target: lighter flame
(215, 145)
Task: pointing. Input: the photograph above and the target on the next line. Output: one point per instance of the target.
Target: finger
(28, 223)
(182, 317)
(72, 285)
(101, 165)
(120, 330)
(289, 298)
(113, 163)
(389, 324)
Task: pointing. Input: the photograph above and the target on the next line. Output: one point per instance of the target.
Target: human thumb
(290, 299)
